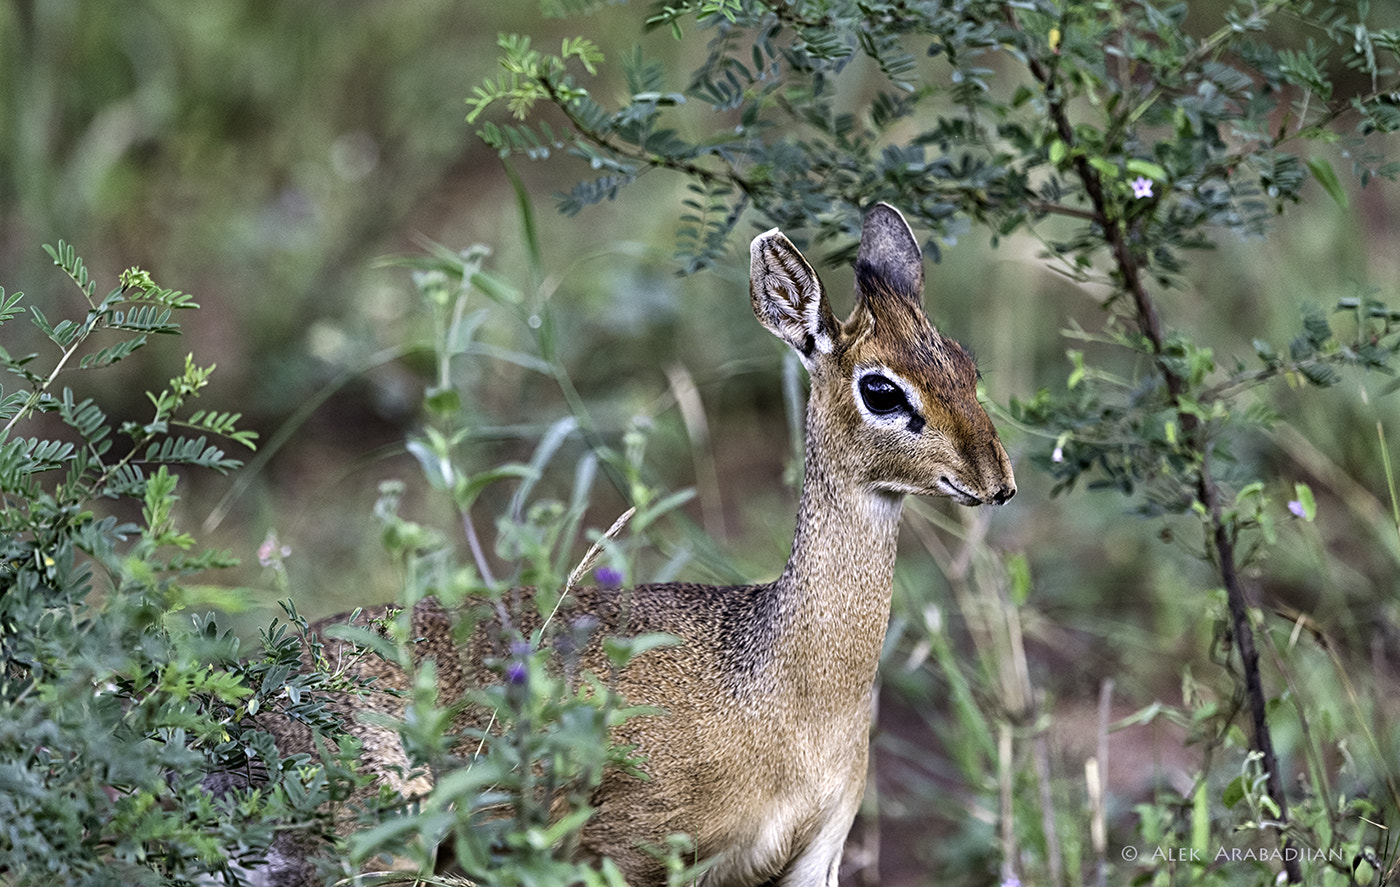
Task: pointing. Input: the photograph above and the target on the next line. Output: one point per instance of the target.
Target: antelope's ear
(889, 258)
(788, 298)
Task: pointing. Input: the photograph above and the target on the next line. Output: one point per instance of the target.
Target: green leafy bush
(115, 702)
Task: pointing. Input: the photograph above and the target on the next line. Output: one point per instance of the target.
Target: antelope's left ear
(889, 257)
(788, 298)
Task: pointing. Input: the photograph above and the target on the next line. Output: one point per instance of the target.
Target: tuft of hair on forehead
(877, 291)
(893, 312)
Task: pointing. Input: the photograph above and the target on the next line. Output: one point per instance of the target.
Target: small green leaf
(621, 651)
(1139, 167)
(1327, 177)
(468, 488)
(1105, 168)
(9, 305)
(442, 401)
(1234, 792)
(1363, 870)
(1248, 491)
(1077, 374)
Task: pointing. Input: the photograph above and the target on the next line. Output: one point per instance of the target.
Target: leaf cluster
(130, 750)
(1125, 431)
(961, 129)
(1120, 138)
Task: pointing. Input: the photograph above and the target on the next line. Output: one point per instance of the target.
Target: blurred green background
(264, 155)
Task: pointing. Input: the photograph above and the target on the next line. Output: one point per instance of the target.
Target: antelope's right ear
(788, 298)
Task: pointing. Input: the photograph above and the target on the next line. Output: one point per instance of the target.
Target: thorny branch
(1117, 235)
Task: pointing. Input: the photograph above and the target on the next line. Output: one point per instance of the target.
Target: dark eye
(882, 396)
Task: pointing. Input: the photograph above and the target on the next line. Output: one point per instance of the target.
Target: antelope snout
(1001, 493)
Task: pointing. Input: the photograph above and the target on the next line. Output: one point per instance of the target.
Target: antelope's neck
(838, 581)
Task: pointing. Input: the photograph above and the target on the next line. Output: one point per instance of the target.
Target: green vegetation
(117, 698)
(1184, 624)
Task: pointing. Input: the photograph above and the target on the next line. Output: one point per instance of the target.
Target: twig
(1040, 748)
(1006, 776)
(729, 175)
(1098, 827)
(1098, 830)
(1243, 634)
(483, 566)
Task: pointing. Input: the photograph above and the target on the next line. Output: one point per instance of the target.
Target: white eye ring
(885, 398)
(880, 395)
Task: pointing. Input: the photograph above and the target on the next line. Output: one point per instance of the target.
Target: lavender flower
(517, 672)
(1142, 187)
(608, 577)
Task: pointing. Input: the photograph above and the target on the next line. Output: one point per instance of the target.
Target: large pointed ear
(788, 298)
(889, 256)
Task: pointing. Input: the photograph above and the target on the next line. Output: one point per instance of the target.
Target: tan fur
(761, 755)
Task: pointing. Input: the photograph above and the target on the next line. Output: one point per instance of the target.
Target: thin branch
(729, 176)
(1150, 325)
(37, 393)
(483, 565)
(1243, 635)
(1059, 209)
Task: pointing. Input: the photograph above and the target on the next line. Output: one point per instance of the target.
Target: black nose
(1002, 494)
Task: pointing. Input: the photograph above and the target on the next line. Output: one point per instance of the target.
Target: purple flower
(1297, 508)
(517, 671)
(608, 577)
(1142, 187)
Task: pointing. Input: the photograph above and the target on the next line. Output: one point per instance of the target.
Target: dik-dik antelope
(761, 753)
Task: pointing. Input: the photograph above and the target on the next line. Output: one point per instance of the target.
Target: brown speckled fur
(761, 755)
